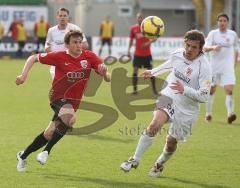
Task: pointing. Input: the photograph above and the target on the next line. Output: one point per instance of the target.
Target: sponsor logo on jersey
(181, 76)
(84, 63)
(189, 71)
(75, 75)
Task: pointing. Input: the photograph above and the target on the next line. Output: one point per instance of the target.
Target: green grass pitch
(210, 158)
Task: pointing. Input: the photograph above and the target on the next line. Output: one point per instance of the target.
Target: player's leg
(110, 47)
(146, 140)
(161, 116)
(228, 81)
(101, 47)
(209, 104)
(230, 103)
(136, 66)
(37, 143)
(65, 120)
(168, 150)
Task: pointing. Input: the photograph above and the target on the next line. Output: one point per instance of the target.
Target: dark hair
(63, 9)
(195, 35)
(222, 15)
(72, 33)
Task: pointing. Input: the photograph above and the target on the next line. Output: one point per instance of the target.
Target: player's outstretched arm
(20, 79)
(103, 70)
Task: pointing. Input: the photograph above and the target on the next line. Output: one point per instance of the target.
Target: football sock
(37, 143)
(55, 138)
(134, 81)
(144, 143)
(209, 104)
(229, 104)
(164, 156)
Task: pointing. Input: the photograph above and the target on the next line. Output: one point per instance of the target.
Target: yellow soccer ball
(152, 27)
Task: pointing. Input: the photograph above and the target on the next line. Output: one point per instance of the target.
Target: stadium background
(209, 159)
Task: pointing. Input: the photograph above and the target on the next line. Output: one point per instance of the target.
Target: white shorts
(223, 79)
(52, 71)
(181, 124)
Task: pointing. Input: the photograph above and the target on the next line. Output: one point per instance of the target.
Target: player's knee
(48, 133)
(62, 128)
(67, 115)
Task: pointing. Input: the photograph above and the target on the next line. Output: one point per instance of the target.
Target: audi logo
(75, 75)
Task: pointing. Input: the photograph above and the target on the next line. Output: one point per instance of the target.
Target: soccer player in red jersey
(73, 68)
(142, 54)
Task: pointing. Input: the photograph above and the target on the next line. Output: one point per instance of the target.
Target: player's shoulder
(178, 53)
(134, 26)
(213, 32)
(53, 29)
(88, 53)
(231, 32)
(203, 59)
(72, 26)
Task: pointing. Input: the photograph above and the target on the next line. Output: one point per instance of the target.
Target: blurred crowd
(18, 32)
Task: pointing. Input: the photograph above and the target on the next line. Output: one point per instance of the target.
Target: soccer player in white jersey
(222, 46)
(188, 84)
(55, 36)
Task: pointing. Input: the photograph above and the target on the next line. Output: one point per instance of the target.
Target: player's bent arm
(200, 95)
(103, 70)
(165, 67)
(27, 67)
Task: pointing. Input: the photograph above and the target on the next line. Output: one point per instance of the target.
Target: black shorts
(107, 41)
(56, 106)
(140, 61)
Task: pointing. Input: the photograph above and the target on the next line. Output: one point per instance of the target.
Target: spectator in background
(142, 54)
(106, 34)
(1, 31)
(40, 30)
(21, 37)
(13, 29)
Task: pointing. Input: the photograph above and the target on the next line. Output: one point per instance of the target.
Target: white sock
(209, 105)
(164, 156)
(229, 104)
(143, 144)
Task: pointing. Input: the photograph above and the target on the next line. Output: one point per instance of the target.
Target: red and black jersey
(71, 74)
(140, 39)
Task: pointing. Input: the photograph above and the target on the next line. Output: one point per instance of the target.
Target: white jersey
(194, 75)
(55, 36)
(222, 60)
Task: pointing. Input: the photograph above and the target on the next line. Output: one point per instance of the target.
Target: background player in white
(222, 44)
(55, 36)
(188, 84)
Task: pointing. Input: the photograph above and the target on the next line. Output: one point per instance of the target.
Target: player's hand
(102, 69)
(178, 86)
(147, 74)
(20, 79)
(107, 77)
(217, 47)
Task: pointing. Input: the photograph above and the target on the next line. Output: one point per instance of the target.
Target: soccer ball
(152, 27)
